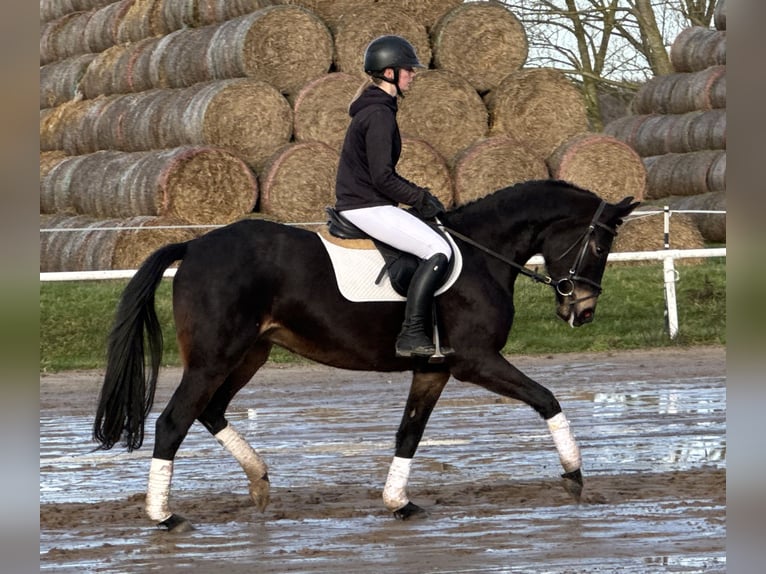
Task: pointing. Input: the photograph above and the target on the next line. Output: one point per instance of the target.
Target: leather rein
(564, 286)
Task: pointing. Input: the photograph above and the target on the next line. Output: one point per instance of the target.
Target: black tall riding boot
(413, 339)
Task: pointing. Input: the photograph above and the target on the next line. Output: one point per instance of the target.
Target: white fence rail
(667, 256)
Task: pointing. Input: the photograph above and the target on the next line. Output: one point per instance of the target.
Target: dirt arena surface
(651, 426)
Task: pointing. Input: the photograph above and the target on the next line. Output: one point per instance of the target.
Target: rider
(368, 189)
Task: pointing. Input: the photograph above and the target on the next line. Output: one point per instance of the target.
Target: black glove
(429, 206)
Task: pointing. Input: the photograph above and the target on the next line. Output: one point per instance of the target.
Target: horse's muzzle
(577, 309)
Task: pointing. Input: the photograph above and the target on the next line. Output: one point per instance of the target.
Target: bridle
(564, 286)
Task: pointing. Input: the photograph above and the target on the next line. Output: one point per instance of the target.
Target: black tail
(128, 393)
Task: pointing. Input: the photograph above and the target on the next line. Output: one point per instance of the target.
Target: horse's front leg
(499, 376)
(425, 390)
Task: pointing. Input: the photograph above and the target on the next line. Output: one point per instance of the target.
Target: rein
(564, 286)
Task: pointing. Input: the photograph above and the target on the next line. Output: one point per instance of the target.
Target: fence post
(671, 310)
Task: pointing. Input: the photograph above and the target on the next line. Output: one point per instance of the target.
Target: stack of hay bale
(678, 127)
(203, 111)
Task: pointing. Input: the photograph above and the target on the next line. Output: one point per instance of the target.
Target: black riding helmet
(390, 52)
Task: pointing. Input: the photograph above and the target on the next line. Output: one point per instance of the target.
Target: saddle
(399, 265)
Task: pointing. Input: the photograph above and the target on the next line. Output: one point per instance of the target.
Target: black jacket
(367, 169)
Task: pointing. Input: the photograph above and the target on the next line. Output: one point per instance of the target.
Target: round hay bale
(716, 175)
(357, 28)
(101, 28)
(286, 46)
(539, 106)
(321, 109)
(53, 9)
(56, 170)
(149, 18)
(427, 12)
(133, 246)
(719, 15)
(682, 92)
(76, 243)
(422, 164)
(299, 182)
(101, 76)
(200, 185)
(59, 125)
(49, 160)
(248, 118)
(64, 37)
(712, 226)
(58, 81)
(681, 173)
(697, 48)
(85, 243)
(647, 233)
(657, 134)
(443, 109)
(492, 164)
(603, 164)
(482, 41)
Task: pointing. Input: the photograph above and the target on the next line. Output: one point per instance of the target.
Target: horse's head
(575, 256)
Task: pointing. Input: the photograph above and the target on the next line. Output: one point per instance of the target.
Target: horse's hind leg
(214, 419)
(193, 398)
(425, 390)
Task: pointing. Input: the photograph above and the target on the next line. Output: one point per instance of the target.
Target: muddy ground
(651, 427)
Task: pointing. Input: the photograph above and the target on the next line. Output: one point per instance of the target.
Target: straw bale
(132, 246)
(443, 109)
(647, 232)
(76, 243)
(539, 106)
(282, 45)
(682, 92)
(286, 46)
(683, 173)
(482, 41)
(492, 164)
(86, 243)
(249, 118)
(657, 134)
(58, 81)
(357, 28)
(427, 12)
(201, 185)
(422, 164)
(697, 48)
(321, 109)
(149, 18)
(600, 163)
(101, 29)
(63, 37)
(299, 182)
(712, 226)
(54, 9)
(719, 15)
(58, 126)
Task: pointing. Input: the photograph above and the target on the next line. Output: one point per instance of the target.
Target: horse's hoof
(259, 493)
(410, 511)
(573, 484)
(176, 524)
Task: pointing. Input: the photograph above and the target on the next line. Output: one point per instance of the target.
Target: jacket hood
(372, 95)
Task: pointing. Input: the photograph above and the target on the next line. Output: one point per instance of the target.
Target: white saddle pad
(357, 269)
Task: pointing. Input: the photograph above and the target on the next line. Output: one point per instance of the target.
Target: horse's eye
(599, 250)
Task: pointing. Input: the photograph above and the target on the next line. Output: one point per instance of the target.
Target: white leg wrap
(569, 452)
(158, 491)
(251, 462)
(395, 491)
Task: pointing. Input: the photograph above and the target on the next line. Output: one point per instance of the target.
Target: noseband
(566, 285)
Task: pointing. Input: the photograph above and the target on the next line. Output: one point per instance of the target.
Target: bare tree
(607, 45)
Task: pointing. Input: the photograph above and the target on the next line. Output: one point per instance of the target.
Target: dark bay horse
(245, 287)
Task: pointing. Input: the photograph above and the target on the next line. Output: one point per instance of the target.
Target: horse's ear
(624, 207)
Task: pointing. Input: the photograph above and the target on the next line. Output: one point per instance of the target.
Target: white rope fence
(666, 255)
